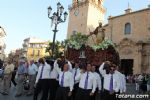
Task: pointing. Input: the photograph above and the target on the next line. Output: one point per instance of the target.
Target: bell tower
(84, 16)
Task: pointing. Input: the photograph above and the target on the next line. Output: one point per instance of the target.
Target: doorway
(127, 66)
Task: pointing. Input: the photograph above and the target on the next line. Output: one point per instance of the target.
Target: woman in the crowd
(7, 77)
(42, 80)
(64, 91)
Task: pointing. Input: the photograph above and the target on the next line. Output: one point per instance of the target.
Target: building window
(33, 52)
(127, 29)
(38, 53)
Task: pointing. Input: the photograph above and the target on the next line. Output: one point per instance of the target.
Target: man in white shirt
(32, 72)
(75, 71)
(42, 80)
(87, 84)
(122, 81)
(66, 83)
(140, 81)
(98, 82)
(61, 61)
(123, 89)
(53, 80)
(140, 78)
(111, 82)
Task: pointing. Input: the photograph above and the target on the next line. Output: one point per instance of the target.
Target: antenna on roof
(128, 10)
(128, 5)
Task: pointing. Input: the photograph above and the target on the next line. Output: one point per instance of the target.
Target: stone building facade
(131, 34)
(34, 48)
(2, 43)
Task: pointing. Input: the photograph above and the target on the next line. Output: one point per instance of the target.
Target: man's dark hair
(41, 60)
(107, 68)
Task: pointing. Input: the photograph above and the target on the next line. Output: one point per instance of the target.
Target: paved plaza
(11, 96)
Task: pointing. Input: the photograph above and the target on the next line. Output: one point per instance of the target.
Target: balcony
(24, 49)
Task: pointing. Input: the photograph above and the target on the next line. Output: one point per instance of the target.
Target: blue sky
(28, 18)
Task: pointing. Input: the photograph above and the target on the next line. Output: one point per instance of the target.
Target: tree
(58, 50)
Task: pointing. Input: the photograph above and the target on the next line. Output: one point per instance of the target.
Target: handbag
(26, 85)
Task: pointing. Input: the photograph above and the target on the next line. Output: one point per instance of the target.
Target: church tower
(84, 16)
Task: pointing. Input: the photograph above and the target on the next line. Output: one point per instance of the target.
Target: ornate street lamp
(56, 19)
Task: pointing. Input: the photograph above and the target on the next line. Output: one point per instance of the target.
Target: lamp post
(56, 19)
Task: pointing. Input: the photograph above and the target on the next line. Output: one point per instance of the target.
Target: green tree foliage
(59, 47)
(76, 40)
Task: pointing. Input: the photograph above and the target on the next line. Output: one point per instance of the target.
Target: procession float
(94, 48)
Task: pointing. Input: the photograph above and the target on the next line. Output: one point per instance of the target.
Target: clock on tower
(85, 15)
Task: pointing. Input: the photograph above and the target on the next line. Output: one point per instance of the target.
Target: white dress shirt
(122, 81)
(32, 69)
(91, 81)
(123, 84)
(107, 77)
(46, 72)
(77, 70)
(54, 74)
(68, 79)
(140, 78)
(98, 80)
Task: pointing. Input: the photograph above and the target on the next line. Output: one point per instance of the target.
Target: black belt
(20, 74)
(64, 87)
(107, 91)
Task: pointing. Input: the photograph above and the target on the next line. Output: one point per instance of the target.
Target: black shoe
(18, 95)
(29, 94)
(4, 93)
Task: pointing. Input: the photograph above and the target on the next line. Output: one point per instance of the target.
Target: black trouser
(13, 78)
(53, 89)
(108, 96)
(75, 90)
(42, 85)
(83, 94)
(62, 93)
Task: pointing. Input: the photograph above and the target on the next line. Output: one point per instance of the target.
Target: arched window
(127, 29)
